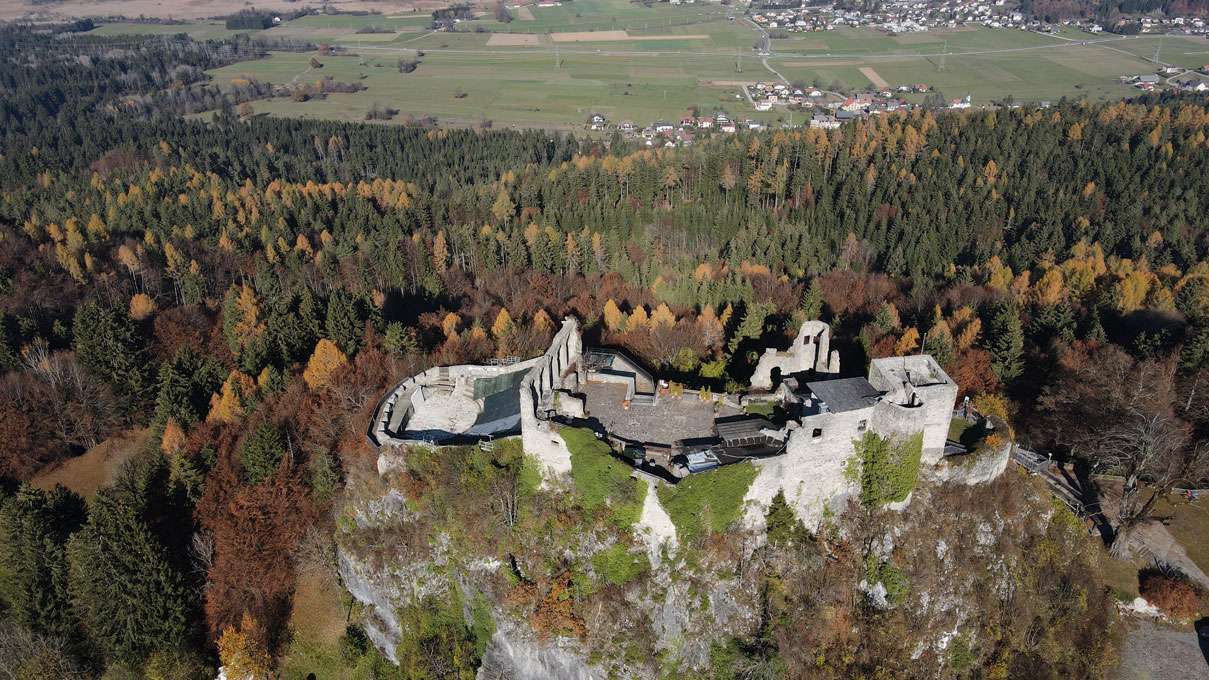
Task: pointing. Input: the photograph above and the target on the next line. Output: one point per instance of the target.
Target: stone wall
(977, 467)
(811, 473)
(557, 369)
(810, 351)
(921, 385)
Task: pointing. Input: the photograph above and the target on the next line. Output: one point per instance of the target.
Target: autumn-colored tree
(542, 323)
(449, 324)
(141, 306)
(440, 252)
(614, 318)
(503, 208)
(323, 364)
(907, 342)
(638, 319)
(173, 439)
(228, 405)
(241, 651)
(502, 326)
(662, 316)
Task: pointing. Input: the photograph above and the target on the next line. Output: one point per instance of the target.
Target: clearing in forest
(95, 468)
(874, 78)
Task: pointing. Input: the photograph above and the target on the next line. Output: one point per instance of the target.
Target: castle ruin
(671, 434)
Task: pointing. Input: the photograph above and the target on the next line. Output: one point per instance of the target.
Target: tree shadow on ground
(1202, 637)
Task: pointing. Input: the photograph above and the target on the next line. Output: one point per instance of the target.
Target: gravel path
(1157, 652)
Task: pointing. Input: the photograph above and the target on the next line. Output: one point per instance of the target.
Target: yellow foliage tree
(440, 252)
(1050, 289)
(228, 405)
(1129, 293)
(249, 325)
(241, 653)
(969, 334)
(638, 319)
(908, 342)
(613, 318)
(502, 325)
(542, 321)
(999, 275)
(727, 312)
(173, 439)
(450, 325)
(662, 316)
(141, 306)
(325, 361)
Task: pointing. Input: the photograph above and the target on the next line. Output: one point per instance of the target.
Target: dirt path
(1156, 540)
(874, 77)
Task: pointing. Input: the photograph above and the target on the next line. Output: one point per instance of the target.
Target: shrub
(617, 566)
(888, 467)
(1173, 595)
(602, 481)
(707, 501)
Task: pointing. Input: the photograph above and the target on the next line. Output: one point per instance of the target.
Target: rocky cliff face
(675, 613)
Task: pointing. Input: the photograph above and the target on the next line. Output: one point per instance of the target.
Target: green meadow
(553, 66)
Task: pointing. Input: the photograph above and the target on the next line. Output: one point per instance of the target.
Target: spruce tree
(1007, 343)
(812, 301)
(343, 325)
(783, 525)
(261, 453)
(124, 586)
(107, 343)
(34, 528)
(186, 382)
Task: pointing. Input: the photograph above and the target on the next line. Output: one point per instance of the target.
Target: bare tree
(25, 654)
(1152, 452)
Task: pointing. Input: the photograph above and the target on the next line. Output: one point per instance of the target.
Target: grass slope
(603, 482)
(708, 501)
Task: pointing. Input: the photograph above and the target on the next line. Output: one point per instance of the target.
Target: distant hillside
(1055, 10)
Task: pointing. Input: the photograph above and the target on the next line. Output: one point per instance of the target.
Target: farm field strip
(643, 63)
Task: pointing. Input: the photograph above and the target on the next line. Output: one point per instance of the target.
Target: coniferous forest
(236, 292)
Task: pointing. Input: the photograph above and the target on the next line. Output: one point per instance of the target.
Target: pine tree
(186, 382)
(399, 340)
(107, 343)
(124, 586)
(812, 301)
(1007, 343)
(261, 453)
(783, 525)
(343, 324)
(34, 528)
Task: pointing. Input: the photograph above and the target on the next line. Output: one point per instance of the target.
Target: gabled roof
(844, 394)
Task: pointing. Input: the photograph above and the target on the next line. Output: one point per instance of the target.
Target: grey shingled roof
(741, 428)
(844, 394)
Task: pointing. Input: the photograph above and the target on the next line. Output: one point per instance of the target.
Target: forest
(246, 288)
